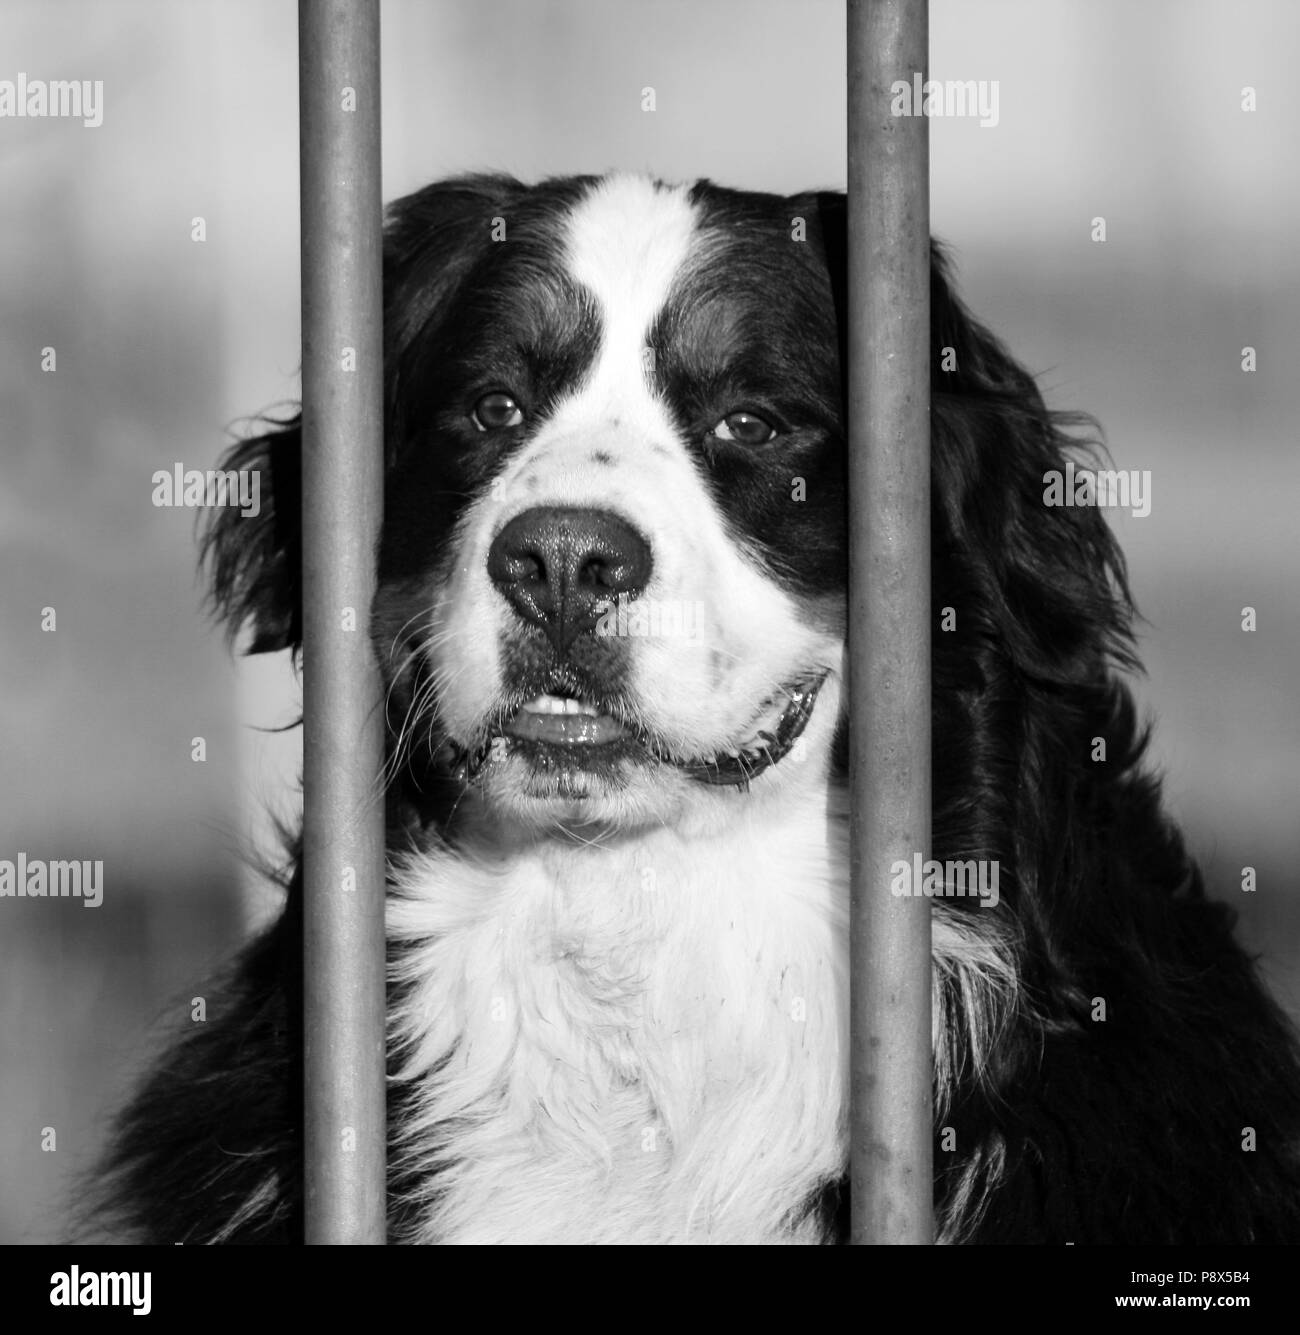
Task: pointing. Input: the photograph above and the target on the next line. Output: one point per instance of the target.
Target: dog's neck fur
(642, 1041)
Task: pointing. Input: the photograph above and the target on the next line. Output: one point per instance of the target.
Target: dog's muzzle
(560, 569)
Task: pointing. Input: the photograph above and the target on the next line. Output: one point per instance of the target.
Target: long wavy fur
(1052, 1124)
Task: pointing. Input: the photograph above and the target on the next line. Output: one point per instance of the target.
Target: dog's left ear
(1045, 584)
(1044, 588)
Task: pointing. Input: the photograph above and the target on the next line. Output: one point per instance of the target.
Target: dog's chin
(546, 792)
(555, 762)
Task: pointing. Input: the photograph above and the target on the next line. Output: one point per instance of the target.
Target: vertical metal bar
(889, 622)
(343, 836)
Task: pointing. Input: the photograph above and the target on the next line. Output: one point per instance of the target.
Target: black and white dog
(611, 617)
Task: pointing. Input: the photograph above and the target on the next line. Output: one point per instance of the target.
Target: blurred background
(1132, 112)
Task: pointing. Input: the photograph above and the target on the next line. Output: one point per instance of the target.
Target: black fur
(1070, 1130)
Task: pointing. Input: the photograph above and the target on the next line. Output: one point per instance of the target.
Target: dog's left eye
(744, 429)
(497, 411)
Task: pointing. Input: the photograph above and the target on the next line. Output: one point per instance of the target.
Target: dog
(611, 620)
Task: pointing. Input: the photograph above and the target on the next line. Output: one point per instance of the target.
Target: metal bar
(889, 623)
(343, 834)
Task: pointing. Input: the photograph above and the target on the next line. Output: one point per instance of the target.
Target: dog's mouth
(771, 737)
(567, 734)
(554, 720)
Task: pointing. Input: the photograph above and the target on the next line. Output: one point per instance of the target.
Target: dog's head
(612, 570)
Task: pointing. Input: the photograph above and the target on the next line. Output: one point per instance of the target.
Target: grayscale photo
(634, 622)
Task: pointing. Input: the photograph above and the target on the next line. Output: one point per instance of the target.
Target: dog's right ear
(254, 562)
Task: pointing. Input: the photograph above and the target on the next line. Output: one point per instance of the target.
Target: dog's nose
(560, 568)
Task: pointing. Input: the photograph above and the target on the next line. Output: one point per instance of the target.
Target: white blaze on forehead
(627, 241)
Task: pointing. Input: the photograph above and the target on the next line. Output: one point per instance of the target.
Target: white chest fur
(642, 1042)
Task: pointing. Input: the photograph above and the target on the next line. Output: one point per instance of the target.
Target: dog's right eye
(496, 412)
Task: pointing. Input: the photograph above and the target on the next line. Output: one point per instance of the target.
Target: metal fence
(342, 499)
(889, 623)
(889, 639)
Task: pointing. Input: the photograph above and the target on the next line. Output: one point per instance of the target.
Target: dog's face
(612, 573)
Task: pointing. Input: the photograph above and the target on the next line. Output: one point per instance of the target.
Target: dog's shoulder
(209, 1149)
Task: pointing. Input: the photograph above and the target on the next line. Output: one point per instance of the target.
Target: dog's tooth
(557, 704)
